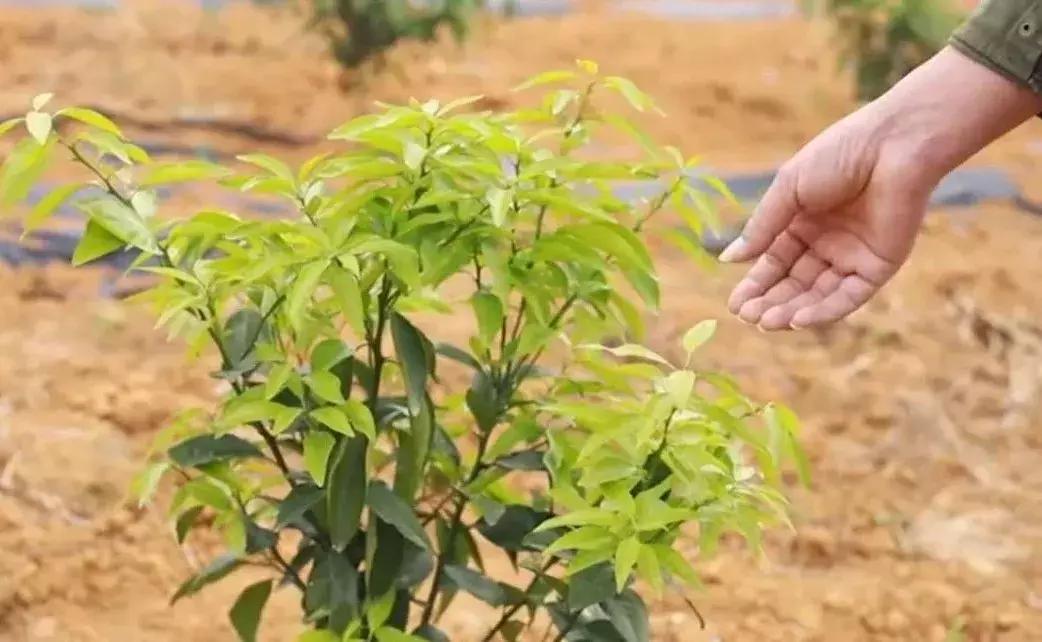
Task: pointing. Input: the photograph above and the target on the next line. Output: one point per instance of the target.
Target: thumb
(776, 210)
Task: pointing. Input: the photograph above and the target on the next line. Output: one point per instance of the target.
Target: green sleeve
(1005, 35)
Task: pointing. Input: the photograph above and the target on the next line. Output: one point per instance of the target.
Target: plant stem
(284, 565)
(454, 525)
(509, 613)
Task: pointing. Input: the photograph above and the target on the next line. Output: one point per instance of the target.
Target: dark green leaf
(413, 448)
(629, 616)
(431, 634)
(241, 331)
(206, 449)
(214, 571)
(333, 586)
(530, 460)
(481, 587)
(409, 343)
(258, 538)
(510, 531)
(591, 586)
(483, 401)
(245, 613)
(459, 355)
(346, 490)
(300, 499)
(395, 511)
(186, 521)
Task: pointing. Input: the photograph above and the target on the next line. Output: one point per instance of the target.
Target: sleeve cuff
(1005, 36)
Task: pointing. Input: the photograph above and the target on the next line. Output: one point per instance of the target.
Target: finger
(782, 291)
(771, 268)
(852, 293)
(802, 276)
(776, 210)
(780, 316)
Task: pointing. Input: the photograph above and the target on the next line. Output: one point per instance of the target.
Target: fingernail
(761, 329)
(732, 251)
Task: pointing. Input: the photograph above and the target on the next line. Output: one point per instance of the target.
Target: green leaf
(216, 570)
(272, 165)
(46, 207)
(590, 586)
(302, 290)
(395, 511)
(629, 351)
(10, 124)
(348, 298)
(39, 125)
(521, 430)
(333, 418)
(327, 386)
(207, 449)
(22, 168)
(317, 447)
(587, 538)
(92, 118)
(634, 96)
(277, 378)
(379, 609)
(186, 521)
(431, 634)
(298, 502)
(387, 634)
(121, 221)
(360, 417)
(512, 527)
(413, 450)
(498, 202)
(413, 155)
(181, 172)
(679, 385)
(458, 355)
(483, 402)
(319, 636)
(625, 560)
(241, 331)
(328, 354)
(698, 335)
(677, 566)
(547, 78)
(481, 587)
(244, 410)
(40, 100)
(412, 350)
(346, 495)
(488, 310)
(245, 613)
(333, 588)
(147, 481)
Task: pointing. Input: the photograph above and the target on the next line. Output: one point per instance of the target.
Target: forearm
(949, 109)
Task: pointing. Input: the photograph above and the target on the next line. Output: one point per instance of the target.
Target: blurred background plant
(360, 29)
(884, 40)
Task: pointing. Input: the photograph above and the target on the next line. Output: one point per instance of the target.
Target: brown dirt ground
(922, 413)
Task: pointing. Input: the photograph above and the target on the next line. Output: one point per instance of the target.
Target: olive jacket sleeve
(1005, 35)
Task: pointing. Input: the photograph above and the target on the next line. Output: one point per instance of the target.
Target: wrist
(945, 112)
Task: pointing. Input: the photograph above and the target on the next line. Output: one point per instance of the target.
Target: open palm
(839, 220)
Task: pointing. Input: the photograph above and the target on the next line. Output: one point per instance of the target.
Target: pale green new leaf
(699, 334)
(317, 447)
(39, 125)
(625, 559)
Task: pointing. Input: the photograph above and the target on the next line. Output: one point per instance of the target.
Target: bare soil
(922, 413)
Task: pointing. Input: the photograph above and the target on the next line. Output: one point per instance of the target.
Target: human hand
(842, 215)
